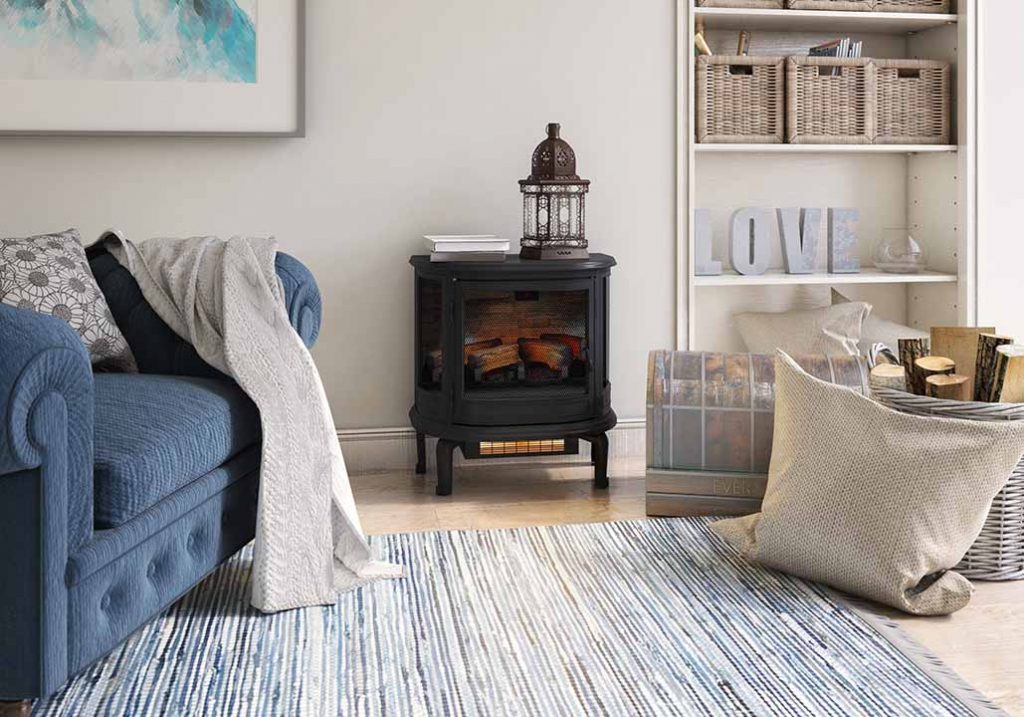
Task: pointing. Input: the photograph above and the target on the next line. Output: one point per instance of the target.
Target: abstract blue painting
(129, 40)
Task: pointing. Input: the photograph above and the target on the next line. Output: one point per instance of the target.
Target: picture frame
(249, 84)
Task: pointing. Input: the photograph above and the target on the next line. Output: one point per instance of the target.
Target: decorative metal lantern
(553, 195)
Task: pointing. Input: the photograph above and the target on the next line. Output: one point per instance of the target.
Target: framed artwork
(230, 67)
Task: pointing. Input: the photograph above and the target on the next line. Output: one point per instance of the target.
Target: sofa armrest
(301, 296)
(46, 399)
(46, 465)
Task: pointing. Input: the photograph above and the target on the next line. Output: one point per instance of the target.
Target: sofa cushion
(156, 347)
(156, 434)
(48, 273)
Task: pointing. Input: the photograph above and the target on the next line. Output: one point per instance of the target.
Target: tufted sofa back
(158, 349)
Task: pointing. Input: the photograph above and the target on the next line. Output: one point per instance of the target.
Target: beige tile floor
(984, 642)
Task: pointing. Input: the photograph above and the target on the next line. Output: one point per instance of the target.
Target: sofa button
(151, 571)
(105, 602)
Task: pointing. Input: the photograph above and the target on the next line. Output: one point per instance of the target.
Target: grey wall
(421, 117)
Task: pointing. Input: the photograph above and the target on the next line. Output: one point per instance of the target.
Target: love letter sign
(799, 230)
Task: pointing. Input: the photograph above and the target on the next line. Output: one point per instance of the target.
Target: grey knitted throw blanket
(224, 298)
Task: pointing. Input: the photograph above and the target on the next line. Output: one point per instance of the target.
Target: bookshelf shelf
(777, 277)
(896, 23)
(822, 148)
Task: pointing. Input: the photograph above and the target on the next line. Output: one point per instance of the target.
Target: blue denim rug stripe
(632, 618)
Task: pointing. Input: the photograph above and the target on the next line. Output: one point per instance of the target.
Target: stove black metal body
(511, 351)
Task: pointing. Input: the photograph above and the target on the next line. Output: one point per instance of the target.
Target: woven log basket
(998, 553)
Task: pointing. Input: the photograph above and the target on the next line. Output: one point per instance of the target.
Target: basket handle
(741, 69)
(908, 73)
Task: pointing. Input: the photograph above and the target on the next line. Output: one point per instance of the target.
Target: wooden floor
(984, 642)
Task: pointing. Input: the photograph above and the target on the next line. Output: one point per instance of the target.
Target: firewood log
(556, 356)
(933, 366)
(960, 343)
(985, 365)
(910, 351)
(493, 358)
(887, 375)
(472, 348)
(1008, 384)
(576, 343)
(951, 386)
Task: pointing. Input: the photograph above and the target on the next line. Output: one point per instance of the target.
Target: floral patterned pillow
(50, 274)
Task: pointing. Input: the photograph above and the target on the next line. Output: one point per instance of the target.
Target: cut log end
(887, 375)
(955, 387)
(933, 365)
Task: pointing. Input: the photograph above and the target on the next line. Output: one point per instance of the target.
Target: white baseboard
(371, 450)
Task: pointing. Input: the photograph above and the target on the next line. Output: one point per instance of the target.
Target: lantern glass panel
(530, 216)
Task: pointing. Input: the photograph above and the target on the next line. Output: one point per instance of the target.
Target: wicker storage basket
(756, 4)
(913, 102)
(740, 99)
(998, 553)
(822, 108)
(849, 5)
(912, 5)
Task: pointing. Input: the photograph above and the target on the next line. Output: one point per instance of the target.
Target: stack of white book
(467, 247)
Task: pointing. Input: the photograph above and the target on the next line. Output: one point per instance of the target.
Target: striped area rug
(632, 618)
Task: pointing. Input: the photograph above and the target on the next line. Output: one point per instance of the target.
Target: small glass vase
(899, 253)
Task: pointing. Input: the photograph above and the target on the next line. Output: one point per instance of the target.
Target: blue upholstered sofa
(118, 492)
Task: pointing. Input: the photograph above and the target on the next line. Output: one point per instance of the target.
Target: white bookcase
(929, 189)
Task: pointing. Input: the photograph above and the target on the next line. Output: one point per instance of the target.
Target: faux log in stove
(512, 358)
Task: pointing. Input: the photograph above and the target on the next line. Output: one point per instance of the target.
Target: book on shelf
(468, 256)
(743, 43)
(455, 243)
(841, 48)
(700, 45)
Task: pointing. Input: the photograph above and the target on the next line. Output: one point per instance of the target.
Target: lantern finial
(553, 159)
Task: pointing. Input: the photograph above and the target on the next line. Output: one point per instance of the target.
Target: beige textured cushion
(877, 330)
(830, 330)
(874, 502)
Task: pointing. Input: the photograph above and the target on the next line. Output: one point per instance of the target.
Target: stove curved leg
(445, 449)
(599, 457)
